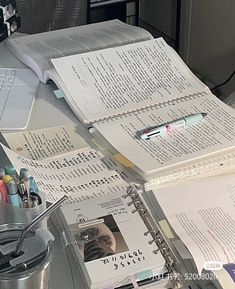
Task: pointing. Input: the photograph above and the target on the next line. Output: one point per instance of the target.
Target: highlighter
(3, 191)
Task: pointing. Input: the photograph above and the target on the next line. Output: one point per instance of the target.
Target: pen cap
(10, 170)
(24, 173)
(7, 179)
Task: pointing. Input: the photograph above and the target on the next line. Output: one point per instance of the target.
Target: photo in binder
(112, 244)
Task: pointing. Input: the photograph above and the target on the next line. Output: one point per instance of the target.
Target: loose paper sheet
(203, 216)
(43, 143)
(80, 174)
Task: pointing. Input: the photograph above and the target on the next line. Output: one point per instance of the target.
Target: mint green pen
(166, 128)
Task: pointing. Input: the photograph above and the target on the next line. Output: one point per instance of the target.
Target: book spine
(133, 192)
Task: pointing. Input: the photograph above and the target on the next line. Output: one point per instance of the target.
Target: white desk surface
(47, 111)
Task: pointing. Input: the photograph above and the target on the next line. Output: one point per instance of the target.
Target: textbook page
(44, 143)
(213, 135)
(203, 216)
(37, 50)
(118, 80)
(80, 175)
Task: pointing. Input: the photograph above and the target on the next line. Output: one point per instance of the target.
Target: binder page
(46, 142)
(80, 174)
(113, 256)
(214, 133)
(202, 214)
(116, 80)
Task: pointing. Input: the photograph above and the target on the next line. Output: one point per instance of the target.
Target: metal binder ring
(131, 189)
(156, 251)
(164, 250)
(152, 232)
(133, 202)
(139, 208)
(151, 242)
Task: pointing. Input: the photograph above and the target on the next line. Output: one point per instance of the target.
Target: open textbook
(36, 51)
(108, 68)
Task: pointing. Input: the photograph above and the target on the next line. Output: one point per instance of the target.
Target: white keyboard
(18, 88)
(6, 81)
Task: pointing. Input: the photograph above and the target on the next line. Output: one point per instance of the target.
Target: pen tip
(204, 114)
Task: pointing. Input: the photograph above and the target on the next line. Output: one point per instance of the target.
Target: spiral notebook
(206, 146)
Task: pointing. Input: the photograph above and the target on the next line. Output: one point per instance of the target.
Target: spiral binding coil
(151, 107)
(157, 238)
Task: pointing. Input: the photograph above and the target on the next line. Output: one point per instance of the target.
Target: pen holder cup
(33, 271)
(11, 214)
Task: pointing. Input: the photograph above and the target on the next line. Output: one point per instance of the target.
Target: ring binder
(134, 191)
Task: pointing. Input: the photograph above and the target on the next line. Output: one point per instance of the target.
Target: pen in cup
(25, 175)
(166, 128)
(3, 191)
(13, 197)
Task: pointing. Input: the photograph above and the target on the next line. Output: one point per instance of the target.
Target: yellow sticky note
(123, 160)
(166, 229)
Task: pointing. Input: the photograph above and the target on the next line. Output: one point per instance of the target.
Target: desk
(55, 112)
(49, 111)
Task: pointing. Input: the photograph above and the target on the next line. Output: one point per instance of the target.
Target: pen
(11, 171)
(13, 197)
(166, 128)
(24, 174)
